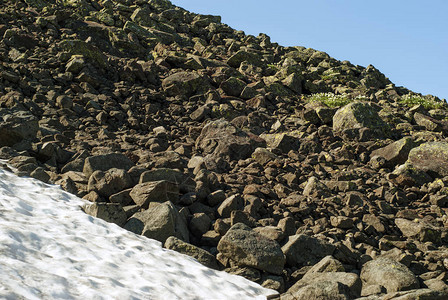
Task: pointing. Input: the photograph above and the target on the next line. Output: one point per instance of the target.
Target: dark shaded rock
(184, 83)
(16, 127)
(106, 162)
(221, 139)
(303, 250)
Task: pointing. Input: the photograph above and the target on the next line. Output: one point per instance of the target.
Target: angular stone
(395, 153)
(263, 156)
(235, 60)
(16, 127)
(204, 257)
(233, 86)
(431, 157)
(159, 221)
(109, 182)
(281, 141)
(105, 162)
(419, 230)
(349, 280)
(222, 139)
(303, 250)
(234, 202)
(184, 83)
(154, 191)
(389, 273)
(109, 212)
(248, 248)
(409, 175)
(358, 115)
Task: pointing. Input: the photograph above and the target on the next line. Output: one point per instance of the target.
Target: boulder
(358, 115)
(395, 153)
(109, 212)
(233, 86)
(281, 141)
(109, 182)
(325, 290)
(105, 162)
(303, 250)
(247, 248)
(327, 264)
(394, 276)
(154, 191)
(240, 56)
(419, 294)
(185, 183)
(418, 229)
(159, 222)
(16, 127)
(184, 83)
(263, 156)
(431, 157)
(222, 139)
(408, 175)
(204, 257)
(349, 280)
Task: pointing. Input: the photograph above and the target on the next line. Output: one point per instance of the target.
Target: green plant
(427, 102)
(333, 100)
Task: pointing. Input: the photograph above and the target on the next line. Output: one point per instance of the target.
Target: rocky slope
(308, 175)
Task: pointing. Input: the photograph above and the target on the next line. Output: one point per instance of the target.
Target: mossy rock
(357, 115)
(431, 157)
(78, 47)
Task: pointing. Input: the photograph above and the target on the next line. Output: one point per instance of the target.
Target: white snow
(50, 249)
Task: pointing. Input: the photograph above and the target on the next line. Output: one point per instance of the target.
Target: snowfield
(50, 249)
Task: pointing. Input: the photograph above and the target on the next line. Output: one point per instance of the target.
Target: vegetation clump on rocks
(311, 176)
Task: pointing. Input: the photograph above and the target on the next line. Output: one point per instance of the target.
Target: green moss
(427, 102)
(78, 47)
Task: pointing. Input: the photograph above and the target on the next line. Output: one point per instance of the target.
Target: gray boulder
(184, 83)
(221, 139)
(349, 280)
(358, 115)
(109, 212)
(319, 290)
(109, 182)
(248, 248)
(105, 162)
(394, 276)
(431, 157)
(154, 191)
(303, 250)
(159, 221)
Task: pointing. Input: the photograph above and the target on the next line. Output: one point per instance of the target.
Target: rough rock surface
(211, 127)
(248, 248)
(394, 276)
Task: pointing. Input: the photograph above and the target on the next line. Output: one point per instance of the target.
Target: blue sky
(407, 40)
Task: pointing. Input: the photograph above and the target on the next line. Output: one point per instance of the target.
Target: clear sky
(407, 40)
